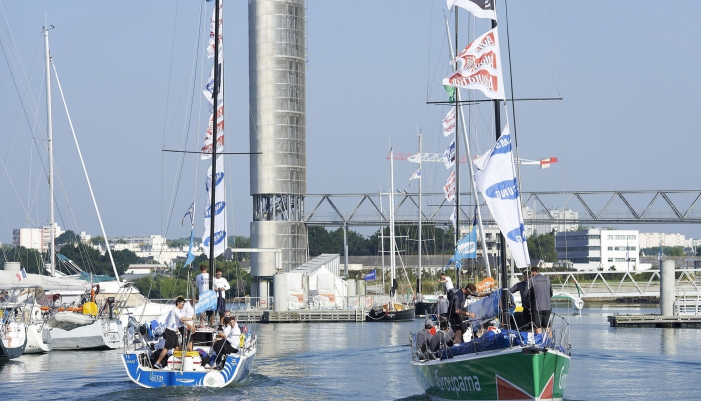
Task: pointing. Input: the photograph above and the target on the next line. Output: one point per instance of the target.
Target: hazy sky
(628, 73)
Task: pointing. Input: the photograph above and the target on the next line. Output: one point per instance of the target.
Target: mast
(52, 243)
(418, 285)
(215, 95)
(457, 162)
(393, 281)
(502, 241)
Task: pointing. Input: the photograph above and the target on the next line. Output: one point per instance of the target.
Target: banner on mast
(466, 248)
(480, 67)
(449, 187)
(478, 8)
(210, 45)
(207, 145)
(496, 179)
(449, 155)
(449, 122)
(219, 210)
(415, 175)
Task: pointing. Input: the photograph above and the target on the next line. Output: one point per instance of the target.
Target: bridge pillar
(667, 288)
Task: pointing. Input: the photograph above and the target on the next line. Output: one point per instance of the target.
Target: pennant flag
(478, 8)
(451, 93)
(190, 212)
(465, 249)
(190, 255)
(480, 67)
(370, 276)
(449, 187)
(449, 122)
(449, 155)
(496, 179)
(21, 275)
(415, 175)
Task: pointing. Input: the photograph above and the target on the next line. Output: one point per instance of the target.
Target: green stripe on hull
(494, 375)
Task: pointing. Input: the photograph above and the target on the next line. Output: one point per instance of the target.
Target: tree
(68, 237)
(542, 247)
(91, 260)
(30, 259)
(97, 240)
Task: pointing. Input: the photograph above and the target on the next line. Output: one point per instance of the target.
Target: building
(35, 238)
(599, 249)
(561, 221)
(651, 240)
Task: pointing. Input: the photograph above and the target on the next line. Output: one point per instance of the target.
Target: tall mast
(420, 270)
(49, 130)
(393, 281)
(457, 161)
(215, 95)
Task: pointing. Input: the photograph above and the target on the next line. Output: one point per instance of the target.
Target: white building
(46, 236)
(650, 240)
(599, 249)
(562, 220)
(35, 238)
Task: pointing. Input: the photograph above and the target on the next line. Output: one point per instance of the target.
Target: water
(353, 361)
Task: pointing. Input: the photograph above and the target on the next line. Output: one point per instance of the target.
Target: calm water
(369, 361)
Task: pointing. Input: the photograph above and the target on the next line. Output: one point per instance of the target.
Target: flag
(190, 212)
(449, 187)
(207, 302)
(475, 220)
(190, 255)
(370, 276)
(210, 45)
(454, 218)
(415, 158)
(449, 122)
(449, 155)
(480, 67)
(451, 93)
(207, 145)
(21, 275)
(496, 179)
(219, 210)
(416, 174)
(465, 249)
(478, 8)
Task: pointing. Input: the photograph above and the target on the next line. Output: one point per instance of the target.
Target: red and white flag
(480, 67)
(21, 275)
(207, 145)
(478, 8)
(449, 187)
(449, 122)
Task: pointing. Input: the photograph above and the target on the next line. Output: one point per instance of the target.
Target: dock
(656, 321)
(299, 316)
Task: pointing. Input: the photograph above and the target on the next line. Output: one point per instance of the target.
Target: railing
(604, 284)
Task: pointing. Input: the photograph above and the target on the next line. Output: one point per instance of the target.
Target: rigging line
(534, 99)
(170, 73)
(547, 56)
(511, 79)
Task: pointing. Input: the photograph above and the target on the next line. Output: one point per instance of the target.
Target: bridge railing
(601, 284)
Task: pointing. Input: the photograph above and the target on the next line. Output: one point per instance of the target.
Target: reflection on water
(330, 361)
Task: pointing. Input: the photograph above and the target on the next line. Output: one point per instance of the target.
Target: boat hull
(236, 369)
(38, 339)
(509, 374)
(424, 308)
(379, 315)
(93, 336)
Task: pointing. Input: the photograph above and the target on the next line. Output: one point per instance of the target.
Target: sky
(131, 72)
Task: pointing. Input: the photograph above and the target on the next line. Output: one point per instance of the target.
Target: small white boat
(70, 320)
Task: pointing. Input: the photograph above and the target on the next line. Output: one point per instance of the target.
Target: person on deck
(187, 331)
(221, 285)
(423, 338)
(443, 306)
(522, 287)
(540, 293)
(227, 342)
(173, 321)
(443, 338)
(202, 281)
(449, 289)
(458, 311)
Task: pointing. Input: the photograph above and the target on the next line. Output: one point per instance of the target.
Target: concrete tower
(277, 55)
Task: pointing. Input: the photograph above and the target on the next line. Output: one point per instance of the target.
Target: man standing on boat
(221, 285)
(173, 321)
(540, 293)
(522, 287)
(449, 289)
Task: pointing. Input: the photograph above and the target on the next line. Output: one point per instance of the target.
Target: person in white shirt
(202, 282)
(174, 320)
(449, 289)
(220, 285)
(228, 341)
(187, 331)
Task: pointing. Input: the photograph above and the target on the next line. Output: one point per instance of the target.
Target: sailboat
(504, 362)
(187, 369)
(394, 310)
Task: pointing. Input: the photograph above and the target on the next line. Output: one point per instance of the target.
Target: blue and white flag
(190, 212)
(207, 302)
(21, 275)
(219, 210)
(370, 276)
(465, 249)
(190, 255)
(449, 155)
(496, 179)
(415, 175)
